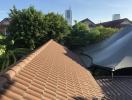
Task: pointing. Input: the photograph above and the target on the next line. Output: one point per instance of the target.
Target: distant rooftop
(116, 23)
(89, 22)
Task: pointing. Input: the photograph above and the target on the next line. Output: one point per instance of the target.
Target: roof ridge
(113, 21)
(20, 65)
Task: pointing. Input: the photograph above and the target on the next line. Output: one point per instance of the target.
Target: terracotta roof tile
(50, 73)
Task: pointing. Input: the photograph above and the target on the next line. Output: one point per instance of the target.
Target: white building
(116, 16)
(68, 16)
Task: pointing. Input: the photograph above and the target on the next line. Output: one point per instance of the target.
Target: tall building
(116, 16)
(68, 16)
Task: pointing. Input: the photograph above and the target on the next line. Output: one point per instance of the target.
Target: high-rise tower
(116, 16)
(68, 16)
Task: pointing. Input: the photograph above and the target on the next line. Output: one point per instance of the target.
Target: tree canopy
(8, 53)
(31, 28)
(78, 36)
(81, 35)
(56, 26)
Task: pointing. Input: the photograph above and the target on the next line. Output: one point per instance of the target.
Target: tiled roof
(50, 73)
(5, 21)
(114, 23)
(118, 88)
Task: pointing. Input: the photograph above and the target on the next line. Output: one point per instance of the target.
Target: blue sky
(96, 10)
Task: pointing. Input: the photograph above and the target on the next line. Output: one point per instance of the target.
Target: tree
(78, 36)
(81, 35)
(2, 47)
(94, 35)
(10, 54)
(31, 28)
(56, 26)
(27, 27)
(106, 32)
(100, 33)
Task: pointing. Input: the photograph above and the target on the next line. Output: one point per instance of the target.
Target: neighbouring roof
(118, 88)
(113, 53)
(89, 22)
(50, 73)
(116, 23)
(5, 21)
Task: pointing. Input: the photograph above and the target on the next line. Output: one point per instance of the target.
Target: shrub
(31, 28)
(106, 32)
(93, 36)
(78, 36)
(56, 27)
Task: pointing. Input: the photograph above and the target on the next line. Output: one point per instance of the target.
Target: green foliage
(81, 35)
(94, 35)
(2, 47)
(26, 26)
(31, 28)
(106, 32)
(78, 36)
(10, 54)
(100, 33)
(56, 26)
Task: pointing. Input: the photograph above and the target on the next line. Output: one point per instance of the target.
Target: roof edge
(21, 64)
(113, 21)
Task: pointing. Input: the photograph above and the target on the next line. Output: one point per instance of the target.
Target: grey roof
(116, 23)
(115, 52)
(118, 88)
(5, 21)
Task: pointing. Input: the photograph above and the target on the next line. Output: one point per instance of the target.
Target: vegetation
(30, 29)
(10, 54)
(106, 32)
(100, 33)
(78, 36)
(81, 35)
(56, 27)
(2, 47)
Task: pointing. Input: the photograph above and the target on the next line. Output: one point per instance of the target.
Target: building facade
(68, 16)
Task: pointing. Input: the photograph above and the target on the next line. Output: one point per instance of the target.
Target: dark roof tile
(114, 23)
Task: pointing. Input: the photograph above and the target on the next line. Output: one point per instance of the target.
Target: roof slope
(50, 73)
(95, 48)
(5, 21)
(89, 22)
(85, 20)
(119, 88)
(113, 53)
(116, 23)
